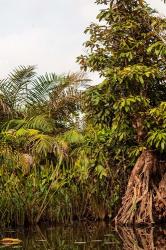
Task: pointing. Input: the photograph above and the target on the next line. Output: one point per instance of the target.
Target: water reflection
(152, 238)
(87, 236)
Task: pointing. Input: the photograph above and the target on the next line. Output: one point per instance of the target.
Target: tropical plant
(35, 113)
(49, 170)
(128, 50)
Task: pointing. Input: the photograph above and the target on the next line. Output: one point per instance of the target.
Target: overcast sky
(46, 33)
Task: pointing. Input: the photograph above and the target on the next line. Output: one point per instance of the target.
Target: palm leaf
(15, 86)
(43, 144)
(42, 123)
(72, 137)
(42, 86)
(14, 124)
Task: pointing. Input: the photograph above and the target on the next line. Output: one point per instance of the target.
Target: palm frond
(23, 132)
(15, 86)
(22, 75)
(42, 86)
(73, 137)
(65, 99)
(14, 124)
(42, 123)
(43, 144)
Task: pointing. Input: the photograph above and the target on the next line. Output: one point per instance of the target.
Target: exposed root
(143, 199)
(160, 199)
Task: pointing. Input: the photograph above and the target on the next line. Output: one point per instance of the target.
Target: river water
(87, 236)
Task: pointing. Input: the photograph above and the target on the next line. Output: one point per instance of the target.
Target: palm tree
(43, 107)
(41, 131)
(57, 98)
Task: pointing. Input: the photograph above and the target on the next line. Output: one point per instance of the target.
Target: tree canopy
(127, 47)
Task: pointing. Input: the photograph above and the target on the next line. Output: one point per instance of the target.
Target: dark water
(87, 236)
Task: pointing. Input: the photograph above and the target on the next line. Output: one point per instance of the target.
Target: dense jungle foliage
(67, 150)
(51, 167)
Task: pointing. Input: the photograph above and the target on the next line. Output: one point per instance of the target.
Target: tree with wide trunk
(127, 47)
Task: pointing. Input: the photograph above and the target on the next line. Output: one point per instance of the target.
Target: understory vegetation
(71, 151)
(53, 167)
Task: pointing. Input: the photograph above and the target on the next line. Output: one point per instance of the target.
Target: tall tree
(127, 48)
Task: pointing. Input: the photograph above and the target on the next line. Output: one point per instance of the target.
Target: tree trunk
(145, 198)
